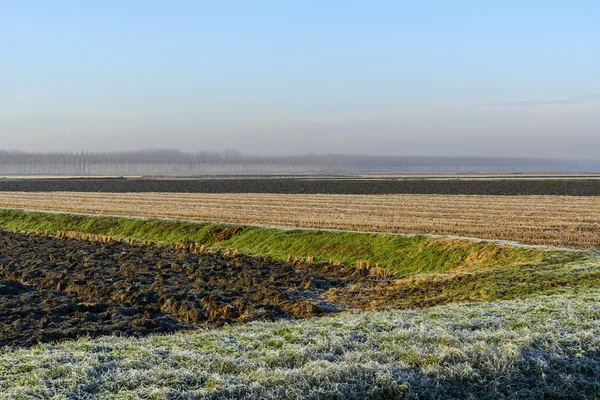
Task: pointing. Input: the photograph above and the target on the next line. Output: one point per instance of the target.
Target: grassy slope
(517, 282)
(540, 348)
(407, 255)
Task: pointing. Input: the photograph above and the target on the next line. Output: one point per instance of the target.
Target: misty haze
(233, 162)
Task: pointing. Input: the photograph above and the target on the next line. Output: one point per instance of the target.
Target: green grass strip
(406, 255)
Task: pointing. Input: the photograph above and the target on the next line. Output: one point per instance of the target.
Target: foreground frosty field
(544, 347)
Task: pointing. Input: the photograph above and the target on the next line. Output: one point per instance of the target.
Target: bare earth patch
(54, 288)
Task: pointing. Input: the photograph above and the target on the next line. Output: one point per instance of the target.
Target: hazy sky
(489, 78)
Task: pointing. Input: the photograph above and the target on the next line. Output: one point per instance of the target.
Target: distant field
(556, 186)
(538, 220)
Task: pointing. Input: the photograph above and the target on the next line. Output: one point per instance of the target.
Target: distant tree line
(232, 162)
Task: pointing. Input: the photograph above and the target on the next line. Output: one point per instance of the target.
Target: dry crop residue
(565, 221)
(53, 288)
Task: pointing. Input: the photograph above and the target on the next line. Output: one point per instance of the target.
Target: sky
(453, 78)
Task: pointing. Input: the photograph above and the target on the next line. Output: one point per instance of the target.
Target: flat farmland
(466, 185)
(567, 221)
(105, 307)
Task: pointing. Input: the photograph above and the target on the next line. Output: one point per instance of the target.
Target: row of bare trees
(232, 162)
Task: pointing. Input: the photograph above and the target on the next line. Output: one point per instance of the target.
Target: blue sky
(379, 77)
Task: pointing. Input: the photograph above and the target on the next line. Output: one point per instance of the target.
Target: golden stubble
(539, 220)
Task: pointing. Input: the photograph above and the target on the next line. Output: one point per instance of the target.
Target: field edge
(403, 255)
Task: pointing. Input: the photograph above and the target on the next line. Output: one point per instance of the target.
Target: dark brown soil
(30, 314)
(508, 187)
(53, 288)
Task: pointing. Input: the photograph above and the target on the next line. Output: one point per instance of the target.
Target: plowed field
(507, 187)
(54, 288)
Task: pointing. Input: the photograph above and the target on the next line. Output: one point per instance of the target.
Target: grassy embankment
(408, 255)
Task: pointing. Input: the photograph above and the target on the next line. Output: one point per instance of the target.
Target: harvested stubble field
(467, 186)
(565, 221)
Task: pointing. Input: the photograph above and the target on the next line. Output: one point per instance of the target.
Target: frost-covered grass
(543, 347)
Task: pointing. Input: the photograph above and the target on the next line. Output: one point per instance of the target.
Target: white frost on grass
(546, 347)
